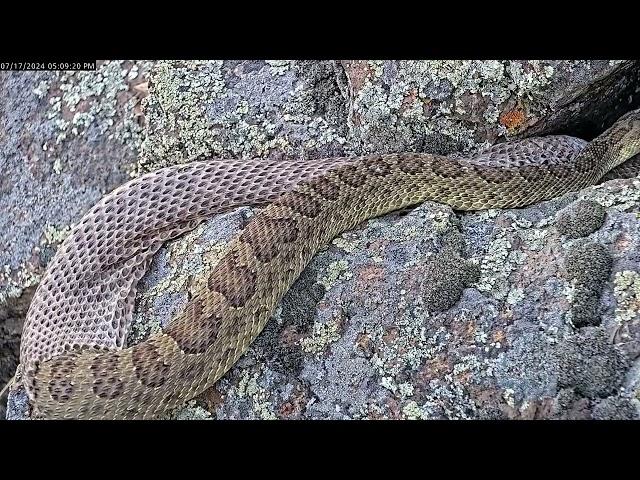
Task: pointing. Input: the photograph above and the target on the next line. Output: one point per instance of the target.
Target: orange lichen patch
(435, 368)
(622, 243)
(499, 336)
(365, 344)
(295, 405)
(464, 329)
(513, 119)
(408, 100)
(390, 335)
(370, 274)
(357, 72)
(394, 408)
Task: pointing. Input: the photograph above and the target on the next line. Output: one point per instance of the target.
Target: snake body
(73, 357)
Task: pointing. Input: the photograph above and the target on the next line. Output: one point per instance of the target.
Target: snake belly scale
(73, 358)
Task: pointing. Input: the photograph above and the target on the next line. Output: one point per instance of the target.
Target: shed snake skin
(73, 358)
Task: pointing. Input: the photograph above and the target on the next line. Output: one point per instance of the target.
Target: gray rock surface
(422, 314)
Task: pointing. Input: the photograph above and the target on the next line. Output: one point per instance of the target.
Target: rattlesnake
(72, 356)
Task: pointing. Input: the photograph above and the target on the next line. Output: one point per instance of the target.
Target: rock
(616, 408)
(580, 219)
(422, 314)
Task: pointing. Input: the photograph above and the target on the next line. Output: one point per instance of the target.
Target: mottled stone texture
(421, 314)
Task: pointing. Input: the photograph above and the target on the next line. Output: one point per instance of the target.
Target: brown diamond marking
(105, 382)
(192, 331)
(490, 174)
(267, 246)
(150, 367)
(350, 175)
(301, 203)
(196, 372)
(447, 167)
(412, 164)
(377, 166)
(326, 188)
(60, 389)
(237, 283)
(531, 173)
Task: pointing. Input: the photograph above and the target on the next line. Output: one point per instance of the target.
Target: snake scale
(73, 358)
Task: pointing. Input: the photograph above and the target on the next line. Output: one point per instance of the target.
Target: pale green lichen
(98, 91)
(445, 82)
(15, 281)
(41, 89)
(371, 410)
(408, 348)
(496, 266)
(508, 397)
(405, 390)
(515, 295)
(442, 221)
(53, 235)
(336, 271)
(626, 199)
(526, 83)
(535, 238)
(57, 166)
(249, 386)
(180, 92)
(627, 293)
(193, 114)
(489, 214)
(279, 67)
(387, 382)
(412, 411)
(322, 335)
(451, 396)
(192, 412)
(500, 260)
(350, 242)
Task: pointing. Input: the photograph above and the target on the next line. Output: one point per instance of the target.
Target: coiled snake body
(73, 358)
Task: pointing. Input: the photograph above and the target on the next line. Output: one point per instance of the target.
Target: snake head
(623, 138)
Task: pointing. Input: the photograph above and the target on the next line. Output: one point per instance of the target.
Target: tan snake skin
(73, 358)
